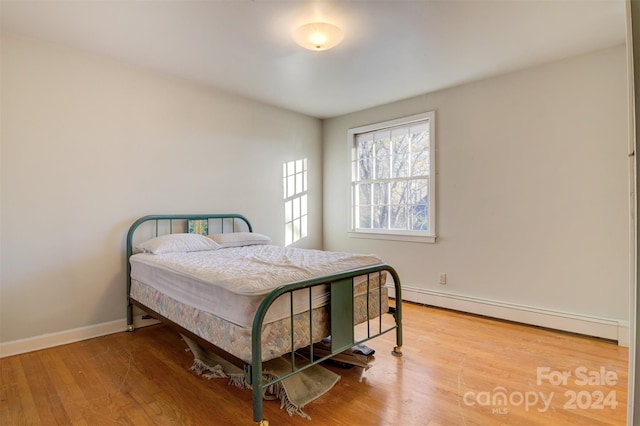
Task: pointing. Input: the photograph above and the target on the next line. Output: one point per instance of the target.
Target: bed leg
(257, 396)
(130, 326)
(397, 314)
(397, 351)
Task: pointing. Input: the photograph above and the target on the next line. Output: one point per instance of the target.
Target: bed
(216, 281)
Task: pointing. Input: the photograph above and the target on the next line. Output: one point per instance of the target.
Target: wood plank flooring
(457, 369)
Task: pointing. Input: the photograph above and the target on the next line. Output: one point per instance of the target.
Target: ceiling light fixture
(318, 36)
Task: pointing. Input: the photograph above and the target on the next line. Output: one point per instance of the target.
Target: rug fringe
(239, 382)
(287, 404)
(215, 372)
(275, 391)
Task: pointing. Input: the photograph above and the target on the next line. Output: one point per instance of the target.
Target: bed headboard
(151, 226)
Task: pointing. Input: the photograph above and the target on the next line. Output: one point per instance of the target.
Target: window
(393, 179)
(294, 176)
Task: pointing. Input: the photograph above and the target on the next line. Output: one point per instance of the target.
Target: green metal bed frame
(341, 305)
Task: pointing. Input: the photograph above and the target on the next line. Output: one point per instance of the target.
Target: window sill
(429, 239)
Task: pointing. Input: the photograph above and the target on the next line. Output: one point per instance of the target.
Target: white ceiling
(392, 49)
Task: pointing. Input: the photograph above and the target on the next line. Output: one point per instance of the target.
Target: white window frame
(428, 236)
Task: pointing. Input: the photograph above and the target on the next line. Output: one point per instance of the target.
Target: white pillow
(237, 239)
(178, 243)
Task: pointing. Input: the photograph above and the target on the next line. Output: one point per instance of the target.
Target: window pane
(401, 166)
(380, 193)
(400, 141)
(419, 191)
(365, 161)
(419, 218)
(364, 194)
(364, 138)
(365, 156)
(400, 192)
(364, 217)
(420, 163)
(399, 133)
(398, 217)
(420, 201)
(382, 145)
(382, 167)
(419, 134)
(380, 217)
(365, 168)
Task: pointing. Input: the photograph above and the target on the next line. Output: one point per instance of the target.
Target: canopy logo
(592, 397)
(500, 399)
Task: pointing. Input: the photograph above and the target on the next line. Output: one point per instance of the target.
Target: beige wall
(90, 144)
(532, 198)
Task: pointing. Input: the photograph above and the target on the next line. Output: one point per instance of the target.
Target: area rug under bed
(294, 392)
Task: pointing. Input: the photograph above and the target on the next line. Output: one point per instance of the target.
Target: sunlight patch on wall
(294, 174)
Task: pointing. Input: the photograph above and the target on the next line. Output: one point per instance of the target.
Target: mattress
(231, 283)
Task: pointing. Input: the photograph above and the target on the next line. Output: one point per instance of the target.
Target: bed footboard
(342, 325)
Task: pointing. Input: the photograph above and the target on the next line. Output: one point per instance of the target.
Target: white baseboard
(605, 328)
(617, 330)
(50, 340)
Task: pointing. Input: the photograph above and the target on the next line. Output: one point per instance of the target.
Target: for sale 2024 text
(590, 395)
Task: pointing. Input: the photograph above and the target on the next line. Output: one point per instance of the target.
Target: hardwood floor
(454, 370)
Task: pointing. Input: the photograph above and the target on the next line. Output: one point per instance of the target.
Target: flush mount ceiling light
(318, 36)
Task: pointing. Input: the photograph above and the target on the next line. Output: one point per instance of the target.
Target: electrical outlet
(443, 278)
